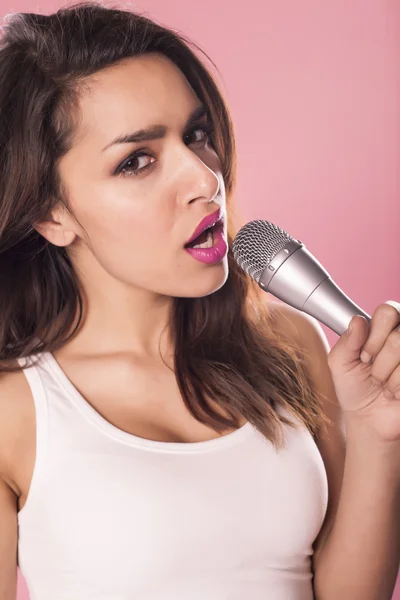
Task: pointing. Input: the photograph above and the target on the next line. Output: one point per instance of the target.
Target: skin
(129, 294)
(127, 241)
(127, 245)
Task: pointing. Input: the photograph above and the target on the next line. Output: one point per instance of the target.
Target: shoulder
(307, 332)
(17, 414)
(299, 326)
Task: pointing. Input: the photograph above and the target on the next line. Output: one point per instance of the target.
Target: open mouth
(207, 238)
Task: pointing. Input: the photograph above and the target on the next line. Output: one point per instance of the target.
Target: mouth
(205, 232)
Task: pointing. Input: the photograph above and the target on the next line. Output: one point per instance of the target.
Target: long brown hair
(225, 345)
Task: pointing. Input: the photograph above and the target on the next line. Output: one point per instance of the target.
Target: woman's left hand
(370, 391)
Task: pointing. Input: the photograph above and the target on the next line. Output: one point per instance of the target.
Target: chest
(143, 400)
(243, 511)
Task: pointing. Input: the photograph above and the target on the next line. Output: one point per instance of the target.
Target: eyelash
(206, 128)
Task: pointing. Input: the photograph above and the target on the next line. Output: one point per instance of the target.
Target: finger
(392, 387)
(388, 359)
(346, 352)
(384, 320)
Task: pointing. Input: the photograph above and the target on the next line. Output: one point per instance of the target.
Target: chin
(205, 283)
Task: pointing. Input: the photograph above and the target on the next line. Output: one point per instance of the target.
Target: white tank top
(112, 516)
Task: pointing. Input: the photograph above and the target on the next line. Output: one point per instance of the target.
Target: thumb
(348, 347)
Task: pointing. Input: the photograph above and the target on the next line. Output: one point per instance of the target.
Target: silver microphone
(285, 268)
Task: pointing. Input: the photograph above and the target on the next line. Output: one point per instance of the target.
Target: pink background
(314, 92)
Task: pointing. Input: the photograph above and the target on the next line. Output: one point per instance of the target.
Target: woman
(164, 434)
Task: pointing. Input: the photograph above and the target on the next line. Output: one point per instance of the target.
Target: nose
(196, 181)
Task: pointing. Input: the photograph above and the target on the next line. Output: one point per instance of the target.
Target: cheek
(123, 224)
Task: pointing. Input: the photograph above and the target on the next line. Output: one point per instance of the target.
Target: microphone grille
(256, 244)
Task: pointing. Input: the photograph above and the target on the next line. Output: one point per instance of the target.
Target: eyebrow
(155, 132)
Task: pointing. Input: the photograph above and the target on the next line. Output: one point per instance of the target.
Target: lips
(206, 223)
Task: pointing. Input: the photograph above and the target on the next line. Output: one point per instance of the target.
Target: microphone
(285, 268)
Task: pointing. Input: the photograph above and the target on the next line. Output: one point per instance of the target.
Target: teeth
(208, 243)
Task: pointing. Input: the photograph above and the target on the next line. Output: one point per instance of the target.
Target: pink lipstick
(208, 244)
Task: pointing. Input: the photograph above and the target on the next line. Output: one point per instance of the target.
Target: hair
(225, 346)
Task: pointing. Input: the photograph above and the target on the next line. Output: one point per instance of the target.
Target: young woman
(165, 434)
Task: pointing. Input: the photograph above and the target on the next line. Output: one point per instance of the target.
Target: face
(138, 203)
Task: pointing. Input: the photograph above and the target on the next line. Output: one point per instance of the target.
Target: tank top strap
(39, 396)
(58, 423)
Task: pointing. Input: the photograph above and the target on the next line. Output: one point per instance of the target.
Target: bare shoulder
(308, 333)
(17, 419)
(298, 326)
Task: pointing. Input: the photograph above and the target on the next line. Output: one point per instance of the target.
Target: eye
(141, 159)
(136, 163)
(200, 134)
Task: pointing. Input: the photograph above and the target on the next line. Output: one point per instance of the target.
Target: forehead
(134, 94)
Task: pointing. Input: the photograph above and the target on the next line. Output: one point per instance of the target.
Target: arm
(8, 542)
(357, 552)
(360, 556)
(15, 408)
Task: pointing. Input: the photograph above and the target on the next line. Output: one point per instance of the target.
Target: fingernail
(365, 357)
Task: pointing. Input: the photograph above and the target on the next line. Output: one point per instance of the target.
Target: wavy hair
(225, 346)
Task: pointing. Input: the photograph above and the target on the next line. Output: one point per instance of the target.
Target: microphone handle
(330, 305)
(298, 278)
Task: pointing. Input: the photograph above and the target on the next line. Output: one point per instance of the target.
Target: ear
(59, 228)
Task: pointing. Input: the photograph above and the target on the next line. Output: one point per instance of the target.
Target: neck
(118, 319)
